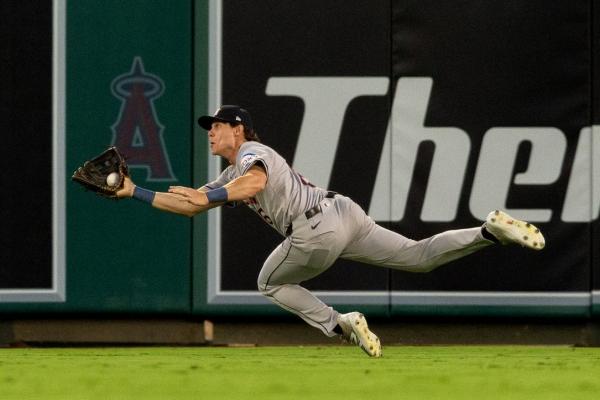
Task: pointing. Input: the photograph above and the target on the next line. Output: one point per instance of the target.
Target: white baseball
(112, 179)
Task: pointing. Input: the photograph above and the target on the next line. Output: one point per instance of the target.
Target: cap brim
(207, 121)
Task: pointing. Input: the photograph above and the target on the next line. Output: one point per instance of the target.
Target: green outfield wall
(426, 113)
(128, 81)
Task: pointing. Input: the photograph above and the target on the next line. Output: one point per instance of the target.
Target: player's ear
(238, 130)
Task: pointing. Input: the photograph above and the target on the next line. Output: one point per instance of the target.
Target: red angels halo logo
(137, 132)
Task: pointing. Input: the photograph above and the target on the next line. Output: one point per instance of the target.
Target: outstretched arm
(171, 202)
(242, 188)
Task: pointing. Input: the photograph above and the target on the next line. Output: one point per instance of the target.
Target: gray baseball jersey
(339, 229)
(287, 194)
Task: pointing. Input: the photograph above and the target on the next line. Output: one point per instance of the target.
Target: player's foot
(510, 230)
(355, 328)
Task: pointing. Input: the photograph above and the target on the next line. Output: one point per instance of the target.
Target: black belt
(311, 212)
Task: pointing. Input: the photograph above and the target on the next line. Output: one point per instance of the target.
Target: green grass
(336, 372)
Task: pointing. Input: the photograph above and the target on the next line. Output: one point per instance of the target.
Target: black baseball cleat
(510, 230)
(355, 330)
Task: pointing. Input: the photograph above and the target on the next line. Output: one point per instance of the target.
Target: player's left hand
(192, 196)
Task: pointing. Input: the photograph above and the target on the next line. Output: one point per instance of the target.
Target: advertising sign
(429, 115)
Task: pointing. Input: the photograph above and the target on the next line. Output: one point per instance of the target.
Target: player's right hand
(127, 189)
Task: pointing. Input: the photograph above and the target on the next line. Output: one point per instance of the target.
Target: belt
(311, 212)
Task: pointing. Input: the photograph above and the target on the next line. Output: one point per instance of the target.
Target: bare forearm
(170, 202)
(176, 204)
(244, 187)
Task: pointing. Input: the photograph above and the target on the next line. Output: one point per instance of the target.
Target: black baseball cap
(230, 114)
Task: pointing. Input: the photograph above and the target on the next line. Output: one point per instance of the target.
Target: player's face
(221, 139)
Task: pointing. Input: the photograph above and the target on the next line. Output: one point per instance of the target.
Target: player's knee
(262, 287)
(425, 267)
(267, 290)
(422, 267)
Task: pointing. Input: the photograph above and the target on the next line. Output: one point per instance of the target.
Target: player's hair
(249, 133)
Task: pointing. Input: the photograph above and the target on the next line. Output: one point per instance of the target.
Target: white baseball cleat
(509, 230)
(355, 328)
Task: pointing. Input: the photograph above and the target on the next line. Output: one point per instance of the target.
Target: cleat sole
(509, 230)
(364, 338)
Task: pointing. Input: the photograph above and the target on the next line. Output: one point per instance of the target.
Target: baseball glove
(94, 173)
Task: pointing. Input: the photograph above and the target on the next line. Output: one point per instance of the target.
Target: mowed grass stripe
(331, 372)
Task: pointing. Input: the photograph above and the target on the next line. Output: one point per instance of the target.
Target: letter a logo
(137, 132)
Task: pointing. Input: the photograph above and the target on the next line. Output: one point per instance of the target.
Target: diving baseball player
(319, 226)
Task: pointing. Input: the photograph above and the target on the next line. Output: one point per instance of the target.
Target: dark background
(26, 162)
(493, 63)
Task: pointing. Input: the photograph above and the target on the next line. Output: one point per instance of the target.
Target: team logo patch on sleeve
(247, 160)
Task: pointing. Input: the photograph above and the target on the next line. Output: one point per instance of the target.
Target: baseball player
(319, 226)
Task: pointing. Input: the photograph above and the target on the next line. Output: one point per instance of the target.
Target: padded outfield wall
(427, 113)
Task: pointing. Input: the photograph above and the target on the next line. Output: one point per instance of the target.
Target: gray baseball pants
(344, 230)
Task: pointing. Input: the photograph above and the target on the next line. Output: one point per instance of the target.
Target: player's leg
(279, 279)
(390, 249)
(376, 245)
(314, 246)
(379, 246)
